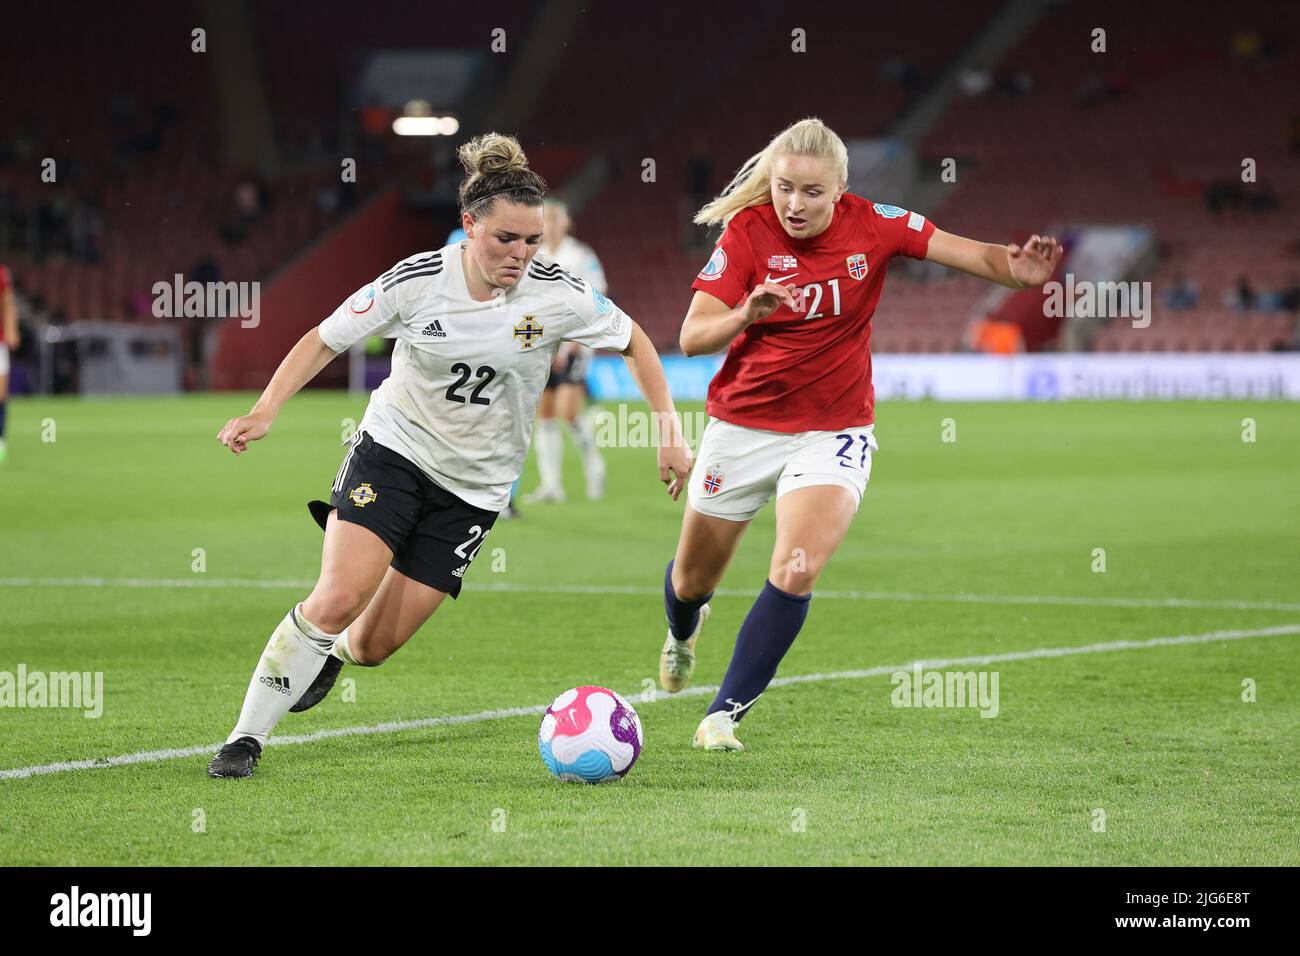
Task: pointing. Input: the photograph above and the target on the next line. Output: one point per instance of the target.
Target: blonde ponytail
(752, 184)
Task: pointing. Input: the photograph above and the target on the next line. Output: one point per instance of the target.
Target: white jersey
(580, 259)
(467, 376)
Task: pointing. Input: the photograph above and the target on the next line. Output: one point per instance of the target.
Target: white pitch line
(636, 590)
(155, 756)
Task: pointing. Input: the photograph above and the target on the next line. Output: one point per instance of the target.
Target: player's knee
(797, 573)
(333, 607)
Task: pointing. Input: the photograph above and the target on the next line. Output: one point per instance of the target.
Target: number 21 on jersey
(814, 290)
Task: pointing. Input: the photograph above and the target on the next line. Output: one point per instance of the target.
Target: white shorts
(4, 360)
(737, 468)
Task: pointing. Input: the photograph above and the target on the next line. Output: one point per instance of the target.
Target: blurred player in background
(789, 292)
(566, 390)
(8, 343)
(443, 437)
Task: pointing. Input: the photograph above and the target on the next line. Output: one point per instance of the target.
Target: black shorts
(433, 534)
(574, 371)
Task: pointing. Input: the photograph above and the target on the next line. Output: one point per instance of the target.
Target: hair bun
(495, 165)
(492, 153)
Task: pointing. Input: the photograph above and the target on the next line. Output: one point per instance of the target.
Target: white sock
(293, 657)
(583, 431)
(343, 651)
(550, 454)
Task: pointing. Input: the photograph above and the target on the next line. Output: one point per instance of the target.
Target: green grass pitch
(961, 548)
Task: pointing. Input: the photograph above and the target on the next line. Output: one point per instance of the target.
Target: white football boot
(677, 659)
(717, 732)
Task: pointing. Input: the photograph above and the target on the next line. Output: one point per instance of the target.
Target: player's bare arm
(711, 324)
(300, 366)
(1014, 266)
(674, 457)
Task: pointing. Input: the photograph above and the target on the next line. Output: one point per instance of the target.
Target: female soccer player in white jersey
(443, 438)
(566, 390)
(789, 292)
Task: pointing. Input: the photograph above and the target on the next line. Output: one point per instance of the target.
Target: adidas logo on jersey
(280, 684)
(460, 571)
(434, 329)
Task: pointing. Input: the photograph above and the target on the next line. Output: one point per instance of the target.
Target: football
(589, 735)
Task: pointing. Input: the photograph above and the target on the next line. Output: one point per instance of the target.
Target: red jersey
(808, 370)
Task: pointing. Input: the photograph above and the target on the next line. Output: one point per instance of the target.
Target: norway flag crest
(857, 264)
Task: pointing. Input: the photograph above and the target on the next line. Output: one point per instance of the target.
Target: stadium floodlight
(426, 125)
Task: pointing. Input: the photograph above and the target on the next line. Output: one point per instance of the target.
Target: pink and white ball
(589, 734)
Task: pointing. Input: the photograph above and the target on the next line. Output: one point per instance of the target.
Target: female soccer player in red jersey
(789, 292)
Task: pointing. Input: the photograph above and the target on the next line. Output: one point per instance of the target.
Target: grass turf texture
(1186, 772)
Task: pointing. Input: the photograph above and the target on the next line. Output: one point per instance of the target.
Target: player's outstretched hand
(766, 298)
(675, 457)
(238, 432)
(1033, 263)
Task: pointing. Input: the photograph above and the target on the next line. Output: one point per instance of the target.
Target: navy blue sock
(682, 615)
(2, 418)
(769, 629)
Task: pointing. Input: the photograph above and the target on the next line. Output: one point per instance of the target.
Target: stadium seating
(160, 207)
(1188, 117)
(663, 103)
(1170, 112)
